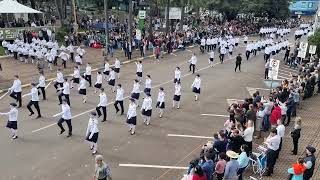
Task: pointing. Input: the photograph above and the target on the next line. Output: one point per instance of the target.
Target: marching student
(76, 76)
(64, 57)
(42, 85)
(65, 92)
(70, 48)
(146, 109)
(98, 83)
(223, 51)
(211, 58)
(65, 117)
(88, 74)
(117, 65)
(50, 59)
(103, 102)
(78, 60)
(15, 90)
(34, 100)
(80, 52)
(83, 89)
(12, 122)
(139, 70)
(92, 133)
(132, 116)
(160, 101)
(147, 85)
(112, 79)
(193, 62)
(196, 86)
(177, 75)
(59, 80)
(119, 99)
(106, 70)
(135, 93)
(177, 96)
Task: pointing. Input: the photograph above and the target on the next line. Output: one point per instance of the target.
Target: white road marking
(48, 84)
(287, 71)
(263, 89)
(4, 95)
(232, 101)
(289, 68)
(174, 54)
(152, 166)
(189, 136)
(283, 78)
(188, 74)
(284, 74)
(189, 50)
(214, 115)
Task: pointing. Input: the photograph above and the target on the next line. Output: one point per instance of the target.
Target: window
(303, 4)
(310, 5)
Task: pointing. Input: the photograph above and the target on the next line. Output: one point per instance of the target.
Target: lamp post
(106, 28)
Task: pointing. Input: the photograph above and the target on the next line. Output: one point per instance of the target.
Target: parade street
(159, 151)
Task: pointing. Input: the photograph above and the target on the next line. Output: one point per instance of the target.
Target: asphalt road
(41, 154)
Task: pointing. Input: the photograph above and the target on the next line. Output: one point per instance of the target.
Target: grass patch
(2, 51)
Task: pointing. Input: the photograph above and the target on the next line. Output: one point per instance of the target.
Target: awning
(11, 6)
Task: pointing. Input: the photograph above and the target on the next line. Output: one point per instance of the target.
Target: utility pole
(75, 17)
(167, 17)
(106, 30)
(130, 21)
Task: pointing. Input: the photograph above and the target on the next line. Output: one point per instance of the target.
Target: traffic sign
(142, 14)
(302, 50)
(274, 69)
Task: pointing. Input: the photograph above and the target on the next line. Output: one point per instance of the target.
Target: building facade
(304, 7)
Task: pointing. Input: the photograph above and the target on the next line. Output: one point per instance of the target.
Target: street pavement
(40, 153)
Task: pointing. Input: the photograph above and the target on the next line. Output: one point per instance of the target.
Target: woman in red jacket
(198, 174)
(275, 115)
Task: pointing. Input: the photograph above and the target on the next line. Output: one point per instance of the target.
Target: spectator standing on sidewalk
(295, 134)
(309, 162)
(297, 170)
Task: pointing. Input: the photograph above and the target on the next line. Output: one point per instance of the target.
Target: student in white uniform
(211, 58)
(78, 60)
(65, 92)
(112, 79)
(92, 133)
(34, 100)
(177, 96)
(65, 117)
(103, 102)
(106, 70)
(59, 80)
(80, 52)
(132, 116)
(98, 83)
(88, 74)
(161, 101)
(147, 84)
(70, 48)
(12, 122)
(139, 70)
(193, 62)
(16, 90)
(135, 93)
(76, 77)
(117, 65)
(146, 109)
(64, 57)
(196, 86)
(83, 89)
(177, 75)
(119, 99)
(42, 85)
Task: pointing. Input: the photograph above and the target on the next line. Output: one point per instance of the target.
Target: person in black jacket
(235, 141)
(295, 134)
(238, 63)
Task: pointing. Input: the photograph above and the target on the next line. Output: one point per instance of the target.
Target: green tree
(228, 8)
(315, 40)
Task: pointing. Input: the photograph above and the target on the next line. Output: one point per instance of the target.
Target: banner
(13, 33)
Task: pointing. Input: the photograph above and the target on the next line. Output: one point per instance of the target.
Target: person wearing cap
(83, 89)
(16, 90)
(132, 116)
(196, 86)
(103, 101)
(59, 80)
(161, 101)
(42, 85)
(147, 84)
(65, 117)
(117, 65)
(112, 79)
(177, 96)
(12, 122)
(272, 142)
(88, 74)
(34, 100)
(119, 99)
(92, 132)
(177, 75)
(65, 92)
(146, 109)
(309, 162)
(295, 134)
(102, 170)
(98, 83)
(139, 70)
(232, 166)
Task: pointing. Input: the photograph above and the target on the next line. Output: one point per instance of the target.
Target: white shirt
(119, 95)
(76, 73)
(112, 75)
(83, 84)
(177, 74)
(34, 94)
(88, 70)
(212, 54)
(99, 79)
(80, 51)
(136, 88)
(78, 59)
(161, 96)
(66, 88)
(103, 99)
(139, 67)
(66, 113)
(148, 83)
(42, 81)
(273, 142)
(281, 129)
(106, 67)
(117, 64)
(193, 60)
(92, 127)
(132, 110)
(196, 83)
(12, 114)
(248, 134)
(16, 86)
(64, 56)
(177, 90)
(147, 104)
(60, 77)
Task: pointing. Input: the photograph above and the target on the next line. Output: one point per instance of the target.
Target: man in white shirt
(272, 142)
(65, 117)
(65, 92)
(64, 57)
(34, 100)
(88, 74)
(193, 62)
(102, 104)
(248, 134)
(12, 122)
(42, 85)
(15, 90)
(281, 130)
(119, 99)
(59, 80)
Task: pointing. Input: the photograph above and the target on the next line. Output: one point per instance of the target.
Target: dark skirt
(195, 90)
(139, 74)
(147, 113)
(12, 125)
(162, 105)
(176, 97)
(83, 91)
(106, 73)
(112, 82)
(176, 80)
(94, 138)
(98, 86)
(117, 70)
(76, 80)
(211, 59)
(132, 120)
(147, 90)
(26, 56)
(135, 96)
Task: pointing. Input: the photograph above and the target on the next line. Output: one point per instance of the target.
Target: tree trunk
(33, 5)
(182, 15)
(167, 17)
(130, 21)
